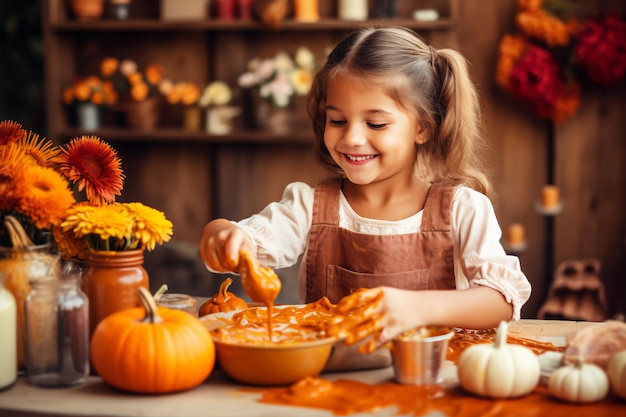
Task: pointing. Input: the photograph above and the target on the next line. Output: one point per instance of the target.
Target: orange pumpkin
(152, 349)
(222, 301)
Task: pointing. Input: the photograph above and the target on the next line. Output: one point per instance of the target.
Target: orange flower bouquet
(138, 91)
(92, 89)
(129, 82)
(39, 181)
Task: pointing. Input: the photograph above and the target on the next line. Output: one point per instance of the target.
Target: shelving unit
(196, 50)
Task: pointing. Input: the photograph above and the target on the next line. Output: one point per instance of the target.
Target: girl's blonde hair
(434, 84)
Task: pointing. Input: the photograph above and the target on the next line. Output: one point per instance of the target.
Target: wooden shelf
(175, 135)
(221, 25)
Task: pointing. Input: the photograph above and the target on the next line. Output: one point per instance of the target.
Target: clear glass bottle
(57, 326)
(182, 302)
(8, 336)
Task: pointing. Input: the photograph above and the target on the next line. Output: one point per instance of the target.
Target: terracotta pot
(111, 281)
(142, 115)
(87, 9)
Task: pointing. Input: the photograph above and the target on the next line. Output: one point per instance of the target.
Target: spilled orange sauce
(345, 397)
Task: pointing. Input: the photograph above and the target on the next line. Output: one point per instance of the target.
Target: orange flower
(511, 49)
(37, 151)
(109, 66)
(12, 172)
(530, 5)
(543, 26)
(82, 91)
(139, 91)
(10, 132)
(94, 166)
(46, 196)
(154, 73)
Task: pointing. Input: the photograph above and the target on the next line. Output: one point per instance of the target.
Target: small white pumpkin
(616, 371)
(579, 382)
(499, 370)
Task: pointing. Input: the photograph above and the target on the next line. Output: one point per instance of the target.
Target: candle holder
(549, 211)
(515, 248)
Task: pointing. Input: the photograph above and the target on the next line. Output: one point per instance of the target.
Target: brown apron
(340, 261)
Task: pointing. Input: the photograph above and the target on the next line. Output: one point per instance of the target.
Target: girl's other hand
(359, 317)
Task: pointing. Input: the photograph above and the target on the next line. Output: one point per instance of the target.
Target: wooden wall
(194, 183)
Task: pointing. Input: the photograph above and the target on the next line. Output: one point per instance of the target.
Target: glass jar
(8, 336)
(181, 302)
(57, 327)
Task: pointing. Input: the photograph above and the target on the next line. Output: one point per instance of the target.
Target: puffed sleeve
(280, 231)
(480, 258)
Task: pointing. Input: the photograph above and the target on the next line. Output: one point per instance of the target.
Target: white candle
(8, 336)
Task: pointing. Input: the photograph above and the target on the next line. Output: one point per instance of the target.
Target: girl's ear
(421, 135)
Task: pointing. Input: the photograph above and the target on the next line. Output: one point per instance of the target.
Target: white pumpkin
(616, 371)
(499, 370)
(579, 382)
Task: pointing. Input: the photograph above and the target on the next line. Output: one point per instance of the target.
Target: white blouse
(280, 233)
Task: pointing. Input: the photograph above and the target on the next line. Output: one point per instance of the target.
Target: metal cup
(418, 355)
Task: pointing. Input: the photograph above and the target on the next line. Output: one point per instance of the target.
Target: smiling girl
(408, 214)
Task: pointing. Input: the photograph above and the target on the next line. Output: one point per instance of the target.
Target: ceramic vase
(111, 280)
(88, 117)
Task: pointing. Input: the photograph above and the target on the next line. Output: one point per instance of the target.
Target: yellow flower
(150, 227)
(217, 93)
(302, 80)
(117, 226)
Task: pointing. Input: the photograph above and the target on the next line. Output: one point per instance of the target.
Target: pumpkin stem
(160, 292)
(148, 302)
(19, 238)
(501, 334)
(223, 291)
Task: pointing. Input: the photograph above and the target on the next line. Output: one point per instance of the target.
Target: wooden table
(219, 396)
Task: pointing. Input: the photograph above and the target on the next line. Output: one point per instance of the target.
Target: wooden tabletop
(218, 396)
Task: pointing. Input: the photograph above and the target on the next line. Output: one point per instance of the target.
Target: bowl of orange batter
(298, 346)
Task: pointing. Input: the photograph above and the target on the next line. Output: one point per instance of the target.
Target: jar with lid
(57, 330)
(8, 336)
(181, 302)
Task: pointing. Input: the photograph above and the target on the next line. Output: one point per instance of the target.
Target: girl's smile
(359, 159)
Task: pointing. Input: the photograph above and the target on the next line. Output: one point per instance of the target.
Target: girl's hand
(221, 243)
(379, 314)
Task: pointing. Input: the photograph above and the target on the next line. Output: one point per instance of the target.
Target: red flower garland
(601, 50)
(534, 72)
